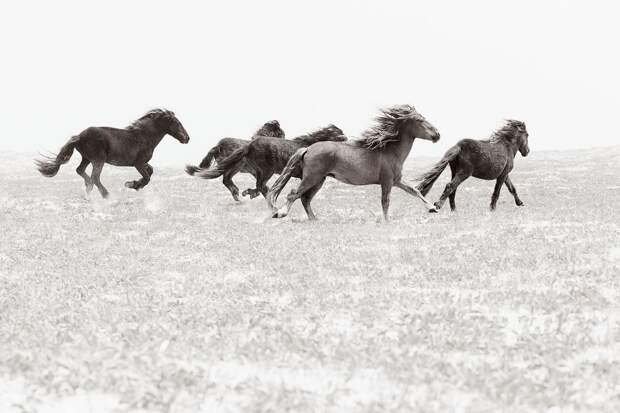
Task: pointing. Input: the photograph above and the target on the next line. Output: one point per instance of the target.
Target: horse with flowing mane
(132, 146)
(488, 159)
(377, 158)
(267, 156)
(226, 146)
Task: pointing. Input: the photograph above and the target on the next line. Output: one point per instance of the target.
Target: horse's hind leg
(415, 192)
(81, 170)
(452, 196)
(228, 183)
(96, 178)
(459, 177)
(513, 191)
(307, 198)
(307, 183)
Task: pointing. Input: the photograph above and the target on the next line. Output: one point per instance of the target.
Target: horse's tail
(429, 178)
(50, 165)
(232, 162)
(207, 160)
(294, 162)
(205, 163)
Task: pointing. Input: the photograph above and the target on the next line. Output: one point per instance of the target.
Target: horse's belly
(489, 173)
(354, 176)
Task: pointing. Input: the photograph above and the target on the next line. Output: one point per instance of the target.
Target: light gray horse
(377, 159)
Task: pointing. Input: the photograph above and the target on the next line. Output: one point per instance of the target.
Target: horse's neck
(511, 148)
(311, 140)
(400, 150)
(152, 135)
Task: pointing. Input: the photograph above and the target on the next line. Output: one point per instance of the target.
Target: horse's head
(329, 133)
(271, 129)
(423, 129)
(332, 133)
(169, 123)
(521, 136)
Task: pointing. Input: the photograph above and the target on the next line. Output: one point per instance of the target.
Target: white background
(226, 67)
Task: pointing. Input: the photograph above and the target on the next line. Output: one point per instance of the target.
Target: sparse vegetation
(176, 299)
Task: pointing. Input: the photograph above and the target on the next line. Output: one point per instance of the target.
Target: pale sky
(226, 67)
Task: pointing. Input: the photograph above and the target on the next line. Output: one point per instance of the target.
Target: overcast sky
(226, 67)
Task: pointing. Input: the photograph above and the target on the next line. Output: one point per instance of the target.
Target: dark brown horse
(132, 146)
(485, 159)
(226, 146)
(375, 159)
(267, 156)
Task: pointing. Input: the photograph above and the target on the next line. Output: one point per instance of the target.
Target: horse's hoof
(253, 195)
(129, 184)
(433, 210)
(245, 193)
(520, 204)
(278, 214)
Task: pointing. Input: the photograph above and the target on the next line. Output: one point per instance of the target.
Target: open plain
(177, 299)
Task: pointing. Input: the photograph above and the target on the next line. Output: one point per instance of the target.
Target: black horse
(226, 146)
(485, 159)
(132, 146)
(267, 156)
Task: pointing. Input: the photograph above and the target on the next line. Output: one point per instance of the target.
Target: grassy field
(176, 299)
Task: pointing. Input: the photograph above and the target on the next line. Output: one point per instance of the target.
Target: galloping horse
(226, 146)
(132, 146)
(267, 156)
(485, 159)
(375, 159)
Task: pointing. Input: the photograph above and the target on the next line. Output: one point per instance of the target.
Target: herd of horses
(376, 158)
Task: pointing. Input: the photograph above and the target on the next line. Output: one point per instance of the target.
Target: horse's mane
(151, 114)
(321, 134)
(387, 127)
(271, 129)
(507, 132)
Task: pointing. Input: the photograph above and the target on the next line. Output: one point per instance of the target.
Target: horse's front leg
(413, 191)
(146, 171)
(252, 192)
(513, 191)
(498, 187)
(386, 189)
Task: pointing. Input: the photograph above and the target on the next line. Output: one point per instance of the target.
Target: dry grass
(174, 299)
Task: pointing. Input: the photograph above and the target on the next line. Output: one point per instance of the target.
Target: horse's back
(115, 146)
(351, 164)
(486, 159)
(227, 146)
(271, 153)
